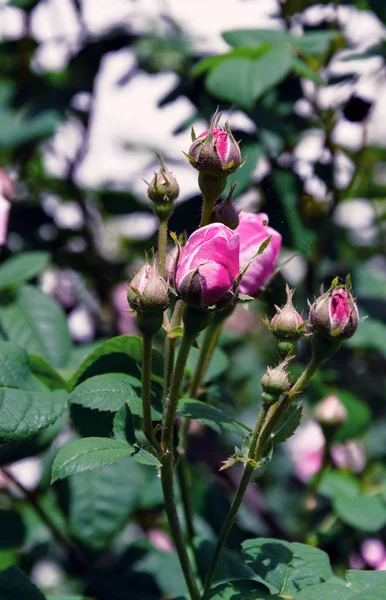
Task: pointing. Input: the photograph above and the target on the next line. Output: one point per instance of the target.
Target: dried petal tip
(287, 323)
(330, 412)
(335, 314)
(163, 191)
(275, 382)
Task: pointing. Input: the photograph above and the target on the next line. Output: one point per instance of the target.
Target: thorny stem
(206, 352)
(32, 499)
(175, 528)
(147, 347)
(162, 244)
(264, 427)
(170, 346)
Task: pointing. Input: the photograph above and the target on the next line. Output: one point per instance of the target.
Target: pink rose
(334, 313)
(209, 265)
(253, 230)
(6, 192)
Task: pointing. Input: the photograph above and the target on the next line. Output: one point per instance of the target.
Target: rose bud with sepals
(163, 190)
(275, 382)
(225, 211)
(215, 154)
(335, 314)
(334, 318)
(287, 325)
(148, 295)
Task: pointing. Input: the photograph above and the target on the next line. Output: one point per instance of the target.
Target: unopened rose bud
(334, 314)
(163, 190)
(330, 412)
(215, 151)
(225, 211)
(148, 295)
(287, 325)
(275, 382)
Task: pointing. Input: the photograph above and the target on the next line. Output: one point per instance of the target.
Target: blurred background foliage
(304, 89)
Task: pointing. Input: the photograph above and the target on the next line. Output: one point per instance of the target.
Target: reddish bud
(335, 314)
(225, 211)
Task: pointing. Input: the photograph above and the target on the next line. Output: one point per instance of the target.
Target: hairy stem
(162, 244)
(171, 512)
(147, 347)
(170, 346)
(266, 423)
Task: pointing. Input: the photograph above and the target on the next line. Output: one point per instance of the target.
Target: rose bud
(225, 211)
(334, 314)
(163, 190)
(287, 325)
(148, 295)
(253, 231)
(6, 192)
(209, 266)
(330, 412)
(275, 382)
(215, 151)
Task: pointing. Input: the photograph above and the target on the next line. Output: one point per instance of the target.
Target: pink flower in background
(6, 192)
(160, 540)
(373, 552)
(209, 265)
(253, 230)
(349, 455)
(306, 450)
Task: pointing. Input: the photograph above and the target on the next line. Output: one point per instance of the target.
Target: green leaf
(14, 585)
(21, 268)
(240, 589)
(358, 416)
(102, 500)
(244, 81)
(45, 373)
(14, 368)
(376, 593)
(144, 457)
(34, 321)
(360, 581)
(229, 566)
(12, 529)
(122, 354)
(209, 415)
(123, 427)
(287, 567)
(370, 335)
(312, 43)
(288, 425)
(68, 598)
(208, 64)
(364, 512)
(325, 591)
(302, 69)
(24, 413)
(107, 392)
(88, 454)
(336, 482)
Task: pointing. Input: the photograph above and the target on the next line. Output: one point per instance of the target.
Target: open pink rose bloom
(209, 265)
(254, 230)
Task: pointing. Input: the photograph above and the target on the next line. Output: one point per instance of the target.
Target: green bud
(275, 382)
(163, 190)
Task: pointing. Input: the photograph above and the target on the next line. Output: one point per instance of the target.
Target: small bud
(215, 151)
(330, 412)
(335, 314)
(225, 211)
(275, 382)
(287, 323)
(163, 191)
(148, 295)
